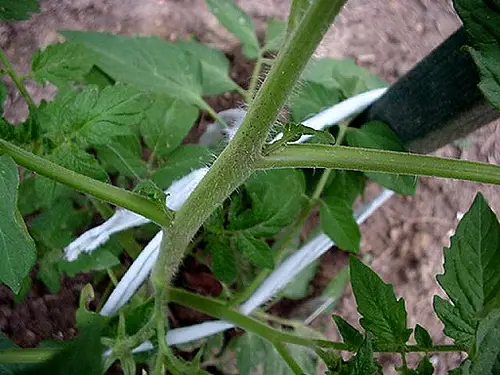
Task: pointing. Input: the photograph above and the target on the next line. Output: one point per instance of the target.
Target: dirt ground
(406, 236)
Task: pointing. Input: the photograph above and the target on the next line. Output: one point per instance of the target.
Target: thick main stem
(239, 158)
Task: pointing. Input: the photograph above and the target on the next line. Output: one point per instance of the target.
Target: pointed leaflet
(167, 121)
(17, 249)
(238, 23)
(18, 10)
(148, 63)
(270, 201)
(345, 185)
(425, 367)
(422, 337)
(383, 314)
(362, 363)
(337, 221)
(256, 250)
(472, 272)
(61, 64)
(214, 67)
(350, 335)
(481, 19)
(376, 134)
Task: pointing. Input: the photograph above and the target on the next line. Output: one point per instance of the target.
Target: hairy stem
(239, 158)
(31, 355)
(218, 309)
(254, 80)
(98, 189)
(370, 160)
(9, 68)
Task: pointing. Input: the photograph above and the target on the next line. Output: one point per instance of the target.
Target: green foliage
(17, 249)
(166, 123)
(61, 64)
(312, 99)
(275, 35)
(350, 335)
(9, 369)
(472, 286)
(264, 207)
(300, 286)
(83, 355)
(151, 63)
(214, 67)
(382, 314)
(256, 250)
(481, 19)
(361, 364)
(223, 259)
(422, 337)
(253, 351)
(377, 135)
(18, 10)
(343, 75)
(237, 23)
(486, 357)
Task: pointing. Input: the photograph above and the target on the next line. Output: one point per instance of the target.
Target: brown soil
(405, 238)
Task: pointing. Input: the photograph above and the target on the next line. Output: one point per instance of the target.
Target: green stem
(297, 10)
(285, 354)
(9, 68)
(370, 160)
(218, 309)
(238, 160)
(254, 80)
(98, 189)
(35, 355)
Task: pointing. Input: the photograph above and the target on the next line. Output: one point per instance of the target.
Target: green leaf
(275, 35)
(3, 97)
(223, 259)
(10, 369)
(61, 64)
(272, 199)
(56, 227)
(253, 352)
(377, 135)
(256, 250)
(98, 78)
(17, 249)
(48, 271)
(362, 363)
(93, 116)
(472, 272)
(179, 163)
(148, 63)
(238, 23)
(337, 221)
(383, 314)
(425, 366)
(481, 19)
(343, 75)
(350, 335)
(18, 10)
(166, 124)
(97, 260)
(422, 337)
(486, 359)
(69, 155)
(214, 67)
(345, 185)
(311, 100)
(299, 287)
(123, 155)
(82, 356)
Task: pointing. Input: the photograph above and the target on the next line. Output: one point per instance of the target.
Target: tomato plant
(236, 202)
